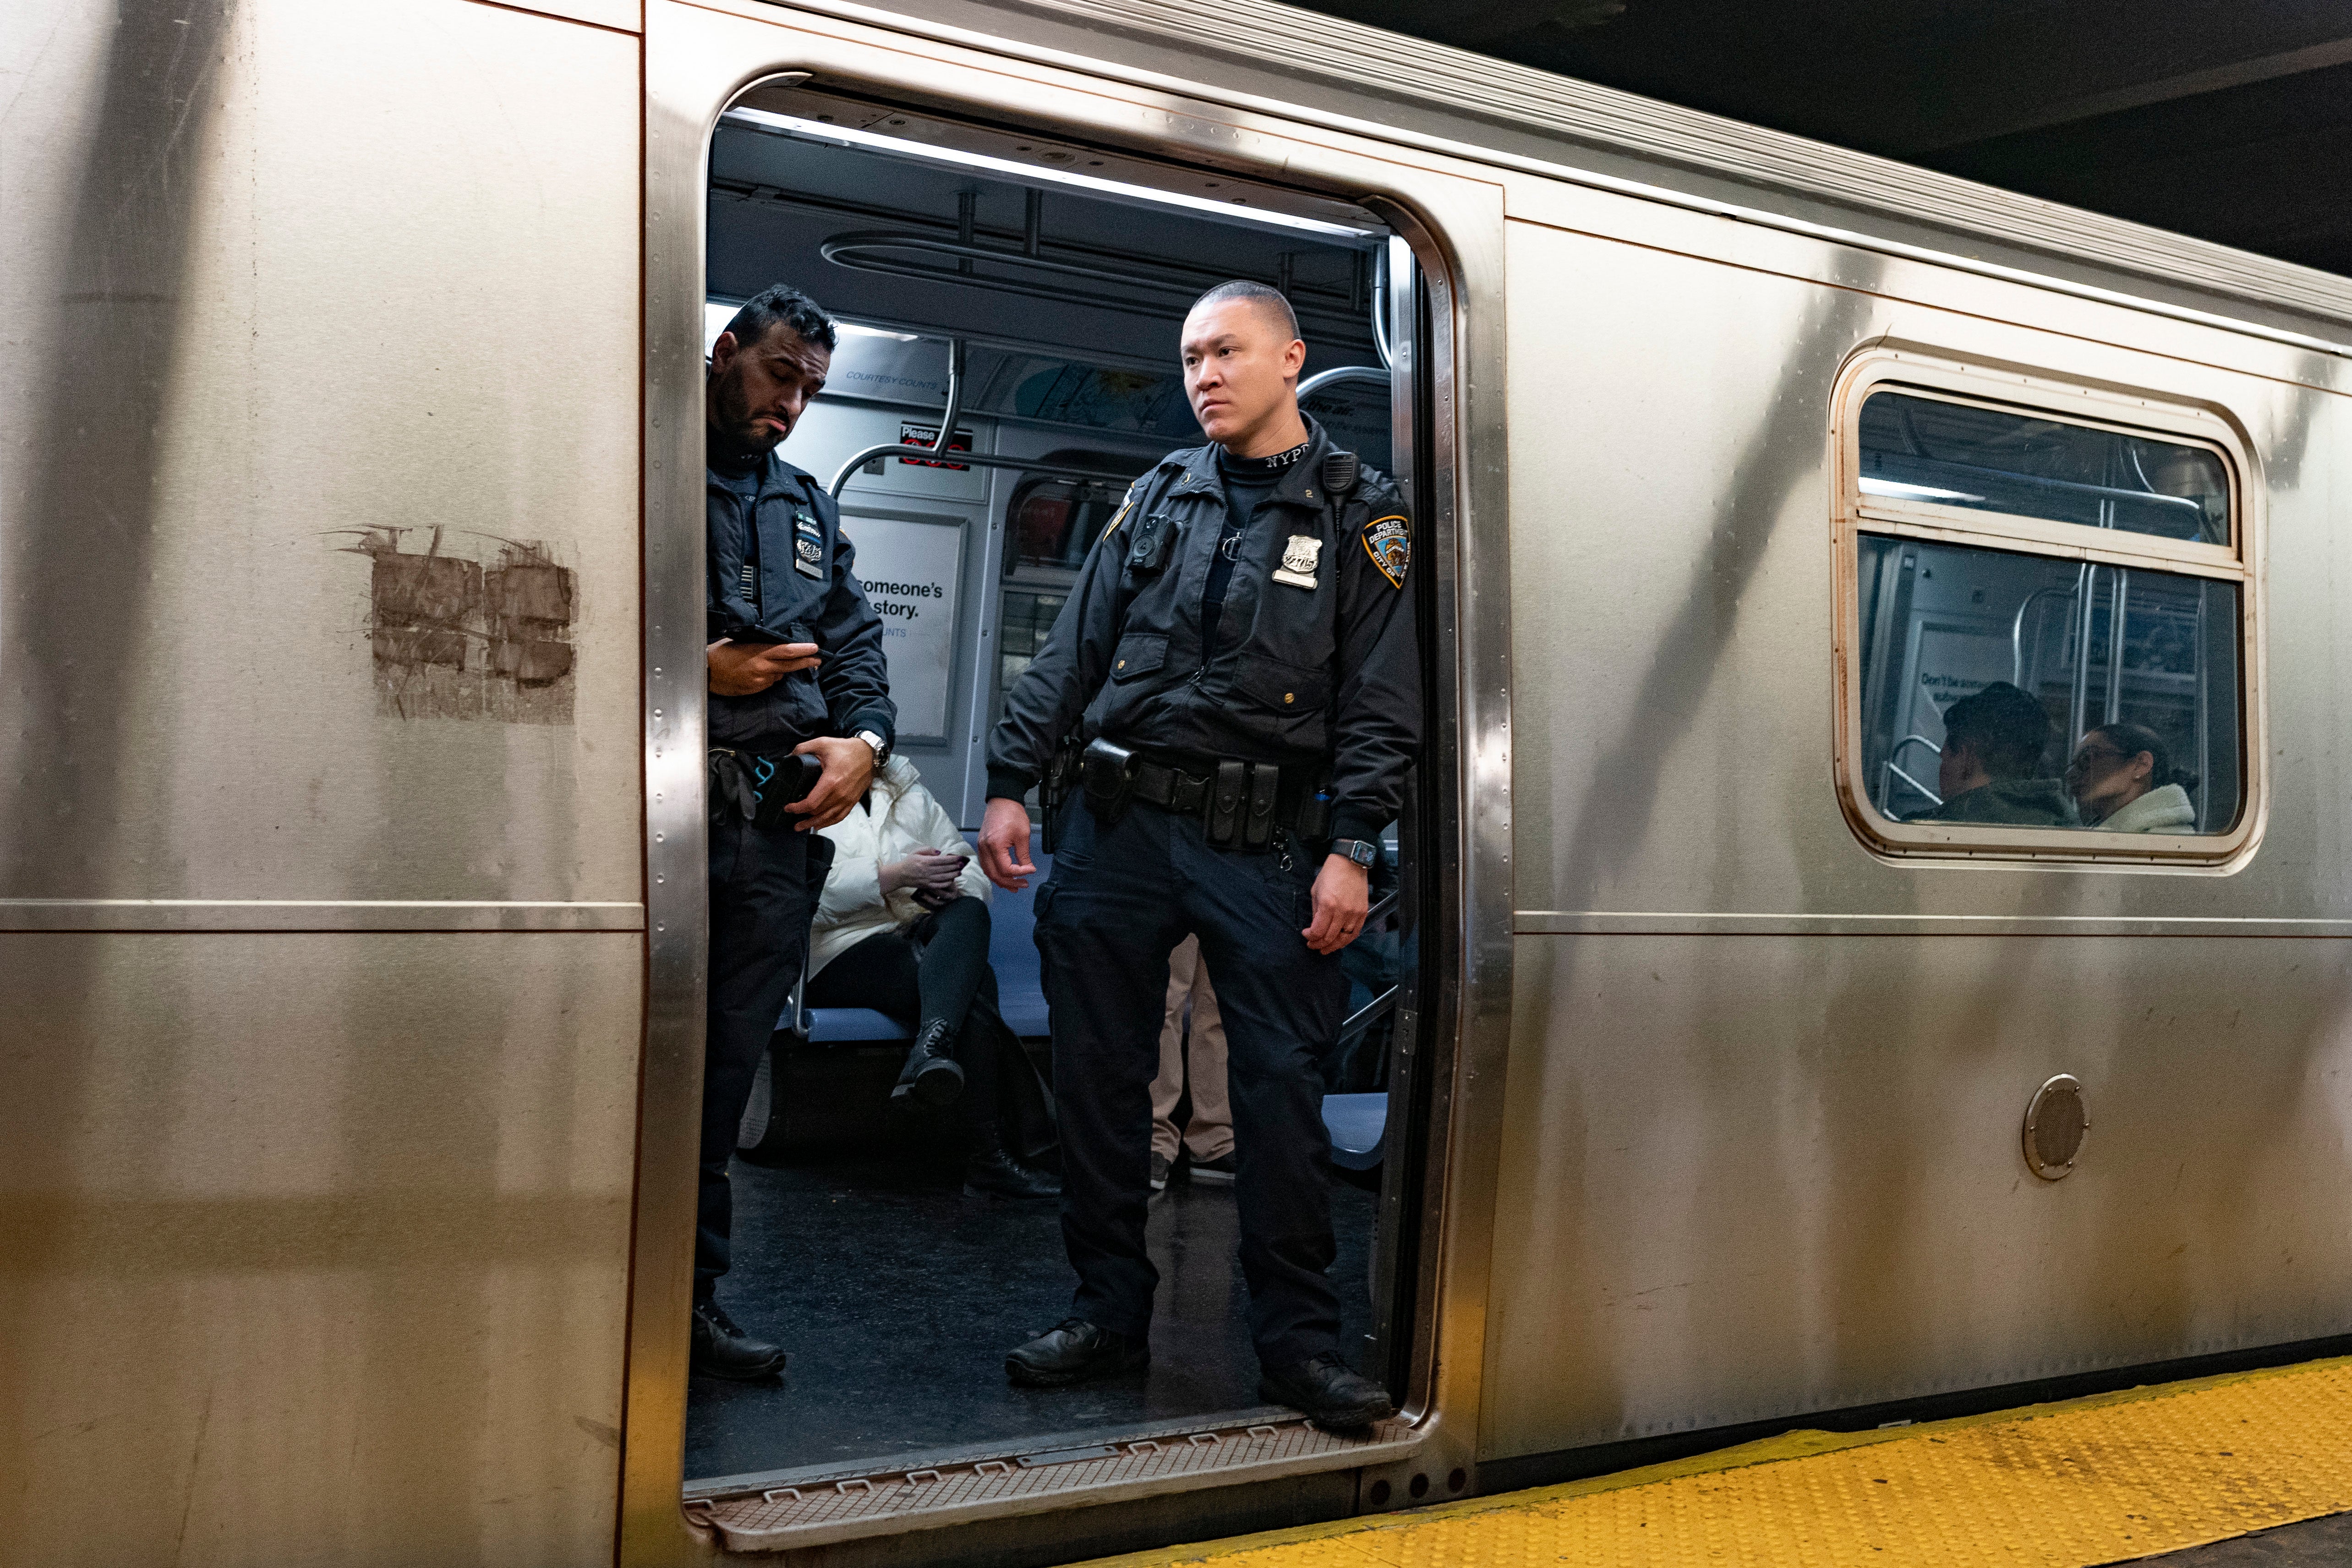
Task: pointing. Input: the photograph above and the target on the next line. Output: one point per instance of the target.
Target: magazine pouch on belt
(1225, 797)
(1257, 822)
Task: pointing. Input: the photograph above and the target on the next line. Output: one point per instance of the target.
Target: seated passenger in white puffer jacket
(902, 928)
(2121, 778)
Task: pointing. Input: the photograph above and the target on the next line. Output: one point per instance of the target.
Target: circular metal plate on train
(2056, 1123)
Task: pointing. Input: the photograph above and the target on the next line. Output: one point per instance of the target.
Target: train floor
(898, 1297)
(2247, 1470)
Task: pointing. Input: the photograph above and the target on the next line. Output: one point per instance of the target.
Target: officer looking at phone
(1236, 676)
(800, 718)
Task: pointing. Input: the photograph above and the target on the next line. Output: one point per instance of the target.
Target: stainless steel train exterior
(353, 1000)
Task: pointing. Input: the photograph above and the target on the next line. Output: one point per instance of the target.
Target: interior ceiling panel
(786, 207)
(2227, 119)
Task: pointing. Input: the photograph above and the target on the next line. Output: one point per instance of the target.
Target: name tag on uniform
(808, 543)
(1298, 558)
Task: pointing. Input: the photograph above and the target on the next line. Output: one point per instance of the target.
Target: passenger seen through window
(2122, 780)
(1992, 747)
(2092, 645)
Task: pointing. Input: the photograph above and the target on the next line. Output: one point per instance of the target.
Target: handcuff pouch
(1106, 771)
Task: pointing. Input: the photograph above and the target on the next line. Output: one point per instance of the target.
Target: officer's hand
(747, 669)
(1004, 844)
(848, 768)
(1343, 895)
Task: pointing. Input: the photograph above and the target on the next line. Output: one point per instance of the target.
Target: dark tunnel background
(2229, 121)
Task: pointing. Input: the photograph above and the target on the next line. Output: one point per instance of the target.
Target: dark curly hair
(783, 302)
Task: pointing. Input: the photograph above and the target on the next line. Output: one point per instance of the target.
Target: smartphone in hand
(939, 898)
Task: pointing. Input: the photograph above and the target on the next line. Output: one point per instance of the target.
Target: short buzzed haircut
(781, 302)
(1269, 300)
(2007, 727)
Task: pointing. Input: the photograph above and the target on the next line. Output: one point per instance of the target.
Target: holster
(1108, 771)
(1053, 788)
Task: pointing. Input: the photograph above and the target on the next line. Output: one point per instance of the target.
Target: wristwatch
(881, 747)
(1363, 851)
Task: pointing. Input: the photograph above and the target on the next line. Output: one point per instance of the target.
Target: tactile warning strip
(814, 1513)
(2106, 1479)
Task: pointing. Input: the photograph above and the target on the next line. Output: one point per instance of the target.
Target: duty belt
(1242, 803)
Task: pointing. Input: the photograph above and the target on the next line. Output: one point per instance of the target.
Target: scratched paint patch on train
(469, 626)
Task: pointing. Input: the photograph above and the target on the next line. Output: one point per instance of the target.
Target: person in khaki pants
(1210, 1136)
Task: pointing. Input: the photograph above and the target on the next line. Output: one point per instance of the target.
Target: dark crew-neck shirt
(1248, 481)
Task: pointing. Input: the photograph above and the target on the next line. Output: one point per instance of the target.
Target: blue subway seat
(1013, 954)
(849, 1026)
(1358, 1127)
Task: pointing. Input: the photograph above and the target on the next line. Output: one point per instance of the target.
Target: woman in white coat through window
(902, 928)
(2123, 782)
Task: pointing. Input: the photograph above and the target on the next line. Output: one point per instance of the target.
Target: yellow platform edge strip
(2110, 1477)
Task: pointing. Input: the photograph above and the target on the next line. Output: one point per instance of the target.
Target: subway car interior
(1031, 294)
(2095, 643)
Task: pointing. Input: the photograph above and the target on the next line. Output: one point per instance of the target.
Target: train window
(1055, 521)
(2128, 680)
(1952, 453)
(1027, 616)
(2050, 629)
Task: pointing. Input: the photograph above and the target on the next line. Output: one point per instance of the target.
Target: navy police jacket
(1315, 662)
(778, 564)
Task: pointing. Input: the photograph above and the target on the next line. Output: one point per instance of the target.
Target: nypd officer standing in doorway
(1235, 684)
(800, 718)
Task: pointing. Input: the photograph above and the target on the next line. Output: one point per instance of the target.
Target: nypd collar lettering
(1298, 558)
(808, 543)
(1390, 548)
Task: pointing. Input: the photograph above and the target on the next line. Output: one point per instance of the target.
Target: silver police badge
(808, 544)
(1298, 558)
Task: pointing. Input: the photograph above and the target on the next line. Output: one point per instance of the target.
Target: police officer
(800, 718)
(1237, 662)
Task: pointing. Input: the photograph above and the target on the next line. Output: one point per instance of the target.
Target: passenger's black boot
(989, 1172)
(723, 1350)
(1075, 1351)
(995, 1174)
(931, 1074)
(1327, 1392)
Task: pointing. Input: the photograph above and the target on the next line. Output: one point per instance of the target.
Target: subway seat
(1012, 953)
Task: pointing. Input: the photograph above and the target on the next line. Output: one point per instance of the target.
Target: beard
(738, 430)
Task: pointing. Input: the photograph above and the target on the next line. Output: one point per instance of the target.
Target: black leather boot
(931, 1074)
(1075, 1351)
(995, 1174)
(723, 1350)
(1327, 1392)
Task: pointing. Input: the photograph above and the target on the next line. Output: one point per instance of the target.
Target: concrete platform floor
(2316, 1543)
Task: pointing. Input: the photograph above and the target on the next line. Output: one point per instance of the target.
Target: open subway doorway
(1035, 289)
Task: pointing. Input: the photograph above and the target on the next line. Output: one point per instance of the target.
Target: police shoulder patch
(1124, 507)
(1388, 542)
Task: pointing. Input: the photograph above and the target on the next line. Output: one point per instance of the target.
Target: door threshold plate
(1071, 1473)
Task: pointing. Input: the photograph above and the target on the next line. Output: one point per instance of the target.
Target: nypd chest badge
(1298, 558)
(808, 543)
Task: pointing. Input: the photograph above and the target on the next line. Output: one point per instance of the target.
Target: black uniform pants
(763, 889)
(1119, 900)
